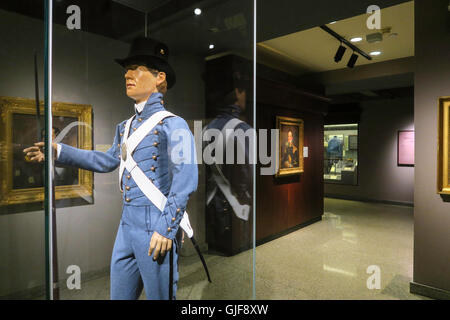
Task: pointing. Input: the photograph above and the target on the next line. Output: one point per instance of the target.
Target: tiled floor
(326, 260)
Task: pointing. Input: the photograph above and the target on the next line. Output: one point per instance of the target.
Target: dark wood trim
(428, 291)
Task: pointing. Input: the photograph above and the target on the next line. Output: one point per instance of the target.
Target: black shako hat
(153, 54)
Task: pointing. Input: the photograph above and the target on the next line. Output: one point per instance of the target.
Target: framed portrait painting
(22, 181)
(290, 146)
(443, 157)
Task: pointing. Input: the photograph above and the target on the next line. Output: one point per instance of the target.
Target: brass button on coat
(127, 199)
(128, 177)
(140, 119)
(155, 144)
(128, 188)
(153, 169)
(155, 132)
(169, 229)
(178, 210)
(154, 157)
(121, 134)
(161, 122)
(134, 129)
(173, 219)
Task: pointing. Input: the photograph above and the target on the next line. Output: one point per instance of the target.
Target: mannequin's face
(141, 83)
(241, 98)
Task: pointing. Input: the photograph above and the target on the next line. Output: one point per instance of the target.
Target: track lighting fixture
(352, 61)
(339, 53)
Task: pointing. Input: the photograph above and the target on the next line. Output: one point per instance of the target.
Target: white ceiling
(313, 50)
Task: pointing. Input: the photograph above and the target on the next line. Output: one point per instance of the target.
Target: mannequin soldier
(155, 187)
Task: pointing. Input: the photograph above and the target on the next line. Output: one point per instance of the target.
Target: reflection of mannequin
(224, 230)
(64, 176)
(290, 153)
(334, 152)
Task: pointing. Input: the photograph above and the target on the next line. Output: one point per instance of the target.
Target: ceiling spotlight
(332, 22)
(198, 11)
(339, 53)
(375, 53)
(352, 61)
(211, 46)
(356, 39)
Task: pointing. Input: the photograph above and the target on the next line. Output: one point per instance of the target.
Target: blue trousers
(132, 269)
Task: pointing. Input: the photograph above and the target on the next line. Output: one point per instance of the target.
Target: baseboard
(345, 197)
(428, 291)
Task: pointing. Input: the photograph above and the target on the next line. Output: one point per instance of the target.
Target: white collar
(140, 106)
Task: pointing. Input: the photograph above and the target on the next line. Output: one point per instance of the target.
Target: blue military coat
(176, 179)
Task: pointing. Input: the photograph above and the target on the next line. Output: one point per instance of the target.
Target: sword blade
(201, 258)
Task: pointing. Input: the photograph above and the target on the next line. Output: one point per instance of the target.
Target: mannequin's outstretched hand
(35, 153)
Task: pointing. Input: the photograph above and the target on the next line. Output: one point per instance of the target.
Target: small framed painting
(290, 146)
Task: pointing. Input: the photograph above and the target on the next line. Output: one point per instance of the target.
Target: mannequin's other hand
(160, 245)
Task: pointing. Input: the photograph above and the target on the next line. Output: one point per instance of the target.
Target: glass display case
(341, 154)
(94, 65)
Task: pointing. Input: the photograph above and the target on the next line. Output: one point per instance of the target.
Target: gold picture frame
(13, 110)
(290, 153)
(443, 166)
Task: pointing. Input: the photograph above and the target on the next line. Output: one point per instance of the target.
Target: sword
(36, 92)
(186, 226)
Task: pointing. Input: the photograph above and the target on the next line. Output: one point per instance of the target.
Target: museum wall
(431, 211)
(379, 177)
(284, 203)
(83, 72)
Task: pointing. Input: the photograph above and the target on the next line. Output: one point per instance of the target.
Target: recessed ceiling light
(198, 11)
(211, 46)
(332, 22)
(356, 39)
(375, 53)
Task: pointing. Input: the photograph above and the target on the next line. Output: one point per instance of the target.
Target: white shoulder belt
(147, 187)
(241, 211)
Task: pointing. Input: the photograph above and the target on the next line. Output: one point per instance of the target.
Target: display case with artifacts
(290, 149)
(341, 153)
(443, 165)
(22, 181)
